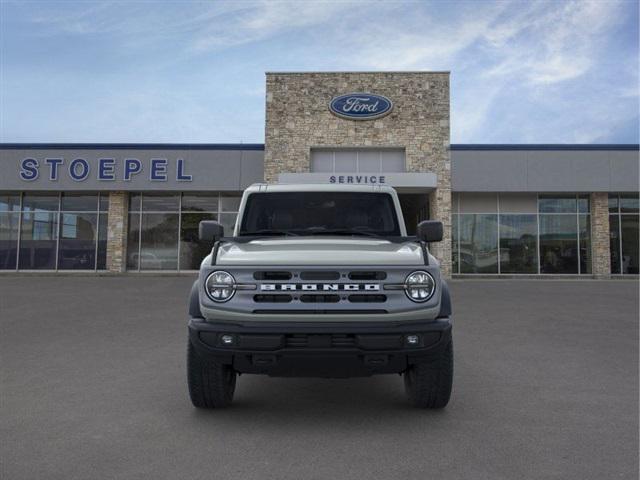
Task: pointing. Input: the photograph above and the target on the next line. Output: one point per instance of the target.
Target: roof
(260, 146)
(317, 187)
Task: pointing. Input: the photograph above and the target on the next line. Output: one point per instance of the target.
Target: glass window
(392, 160)
(79, 202)
(229, 203)
(614, 242)
(478, 243)
(558, 244)
(159, 241)
(629, 230)
(104, 202)
(322, 161)
(9, 202)
(192, 251)
(518, 202)
(346, 161)
(135, 202)
(38, 239)
(557, 204)
(583, 203)
(585, 243)
(613, 203)
(628, 204)
(368, 161)
(200, 202)
(454, 246)
(152, 202)
(518, 244)
(316, 213)
(9, 222)
(78, 235)
(133, 242)
(40, 201)
(228, 221)
(101, 262)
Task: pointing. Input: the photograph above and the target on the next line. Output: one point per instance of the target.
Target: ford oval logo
(360, 106)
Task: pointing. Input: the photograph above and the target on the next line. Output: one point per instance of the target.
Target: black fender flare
(445, 301)
(194, 302)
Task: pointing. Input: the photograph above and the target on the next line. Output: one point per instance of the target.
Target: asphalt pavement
(93, 386)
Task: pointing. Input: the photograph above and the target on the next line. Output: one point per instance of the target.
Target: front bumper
(320, 349)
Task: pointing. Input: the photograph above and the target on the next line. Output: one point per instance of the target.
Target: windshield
(318, 213)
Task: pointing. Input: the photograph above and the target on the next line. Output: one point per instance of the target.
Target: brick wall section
(117, 231)
(600, 249)
(298, 119)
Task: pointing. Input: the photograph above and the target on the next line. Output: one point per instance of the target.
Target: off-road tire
(428, 382)
(211, 384)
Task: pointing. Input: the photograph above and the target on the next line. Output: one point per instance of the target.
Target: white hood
(329, 251)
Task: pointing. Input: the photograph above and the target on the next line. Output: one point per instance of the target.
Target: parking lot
(94, 387)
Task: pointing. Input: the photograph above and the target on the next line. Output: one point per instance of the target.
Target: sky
(178, 71)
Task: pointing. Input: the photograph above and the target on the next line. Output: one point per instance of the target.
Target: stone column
(600, 249)
(440, 209)
(117, 231)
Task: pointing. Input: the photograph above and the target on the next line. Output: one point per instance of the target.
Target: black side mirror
(210, 231)
(430, 231)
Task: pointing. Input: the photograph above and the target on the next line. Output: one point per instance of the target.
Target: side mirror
(430, 231)
(210, 231)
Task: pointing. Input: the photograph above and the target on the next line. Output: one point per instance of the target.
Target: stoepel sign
(360, 106)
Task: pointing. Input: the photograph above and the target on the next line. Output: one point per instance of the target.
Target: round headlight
(419, 286)
(220, 286)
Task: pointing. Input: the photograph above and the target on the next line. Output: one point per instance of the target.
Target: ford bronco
(320, 281)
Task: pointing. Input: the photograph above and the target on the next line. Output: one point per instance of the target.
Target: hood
(320, 251)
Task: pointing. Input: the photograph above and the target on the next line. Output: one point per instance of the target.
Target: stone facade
(600, 247)
(117, 231)
(298, 119)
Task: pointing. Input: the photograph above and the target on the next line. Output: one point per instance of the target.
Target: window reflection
(558, 244)
(478, 243)
(9, 222)
(518, 244)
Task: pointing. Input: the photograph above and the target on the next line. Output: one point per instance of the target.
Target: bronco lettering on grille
(324, 287)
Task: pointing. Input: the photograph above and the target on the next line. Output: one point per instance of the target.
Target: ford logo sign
(360, 106)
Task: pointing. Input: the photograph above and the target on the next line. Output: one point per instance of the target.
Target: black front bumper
(319, 349)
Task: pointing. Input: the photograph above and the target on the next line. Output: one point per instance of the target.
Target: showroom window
(163, 228)
(53, 231)
(623, 233)
(521, 233)
(356, 160)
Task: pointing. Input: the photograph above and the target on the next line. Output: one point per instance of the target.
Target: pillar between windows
(600, 248)
(117, 231)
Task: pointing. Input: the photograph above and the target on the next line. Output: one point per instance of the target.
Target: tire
(428, 382)
(211, 384)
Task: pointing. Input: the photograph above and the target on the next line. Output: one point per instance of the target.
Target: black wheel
(211, 384)
(428, 383)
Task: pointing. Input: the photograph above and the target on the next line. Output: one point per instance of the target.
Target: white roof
(317, 187)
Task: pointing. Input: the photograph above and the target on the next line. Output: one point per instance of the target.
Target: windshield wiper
(268, 231)
(340, 231)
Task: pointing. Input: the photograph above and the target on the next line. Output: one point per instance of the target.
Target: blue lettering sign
(158, 169)
(106, 169)
(132, 166)
(360, 106)
(53, 167)
(332, 179)
(29, 169)
(180, 175)
(79, 174)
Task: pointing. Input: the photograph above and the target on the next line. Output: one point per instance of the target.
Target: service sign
(360, 106)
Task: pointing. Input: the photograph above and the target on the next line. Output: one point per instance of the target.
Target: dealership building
(506, 209)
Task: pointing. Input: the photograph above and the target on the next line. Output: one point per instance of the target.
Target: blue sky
(173, 71)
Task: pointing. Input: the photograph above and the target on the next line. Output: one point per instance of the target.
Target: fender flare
(445, 301)
(194, 302)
